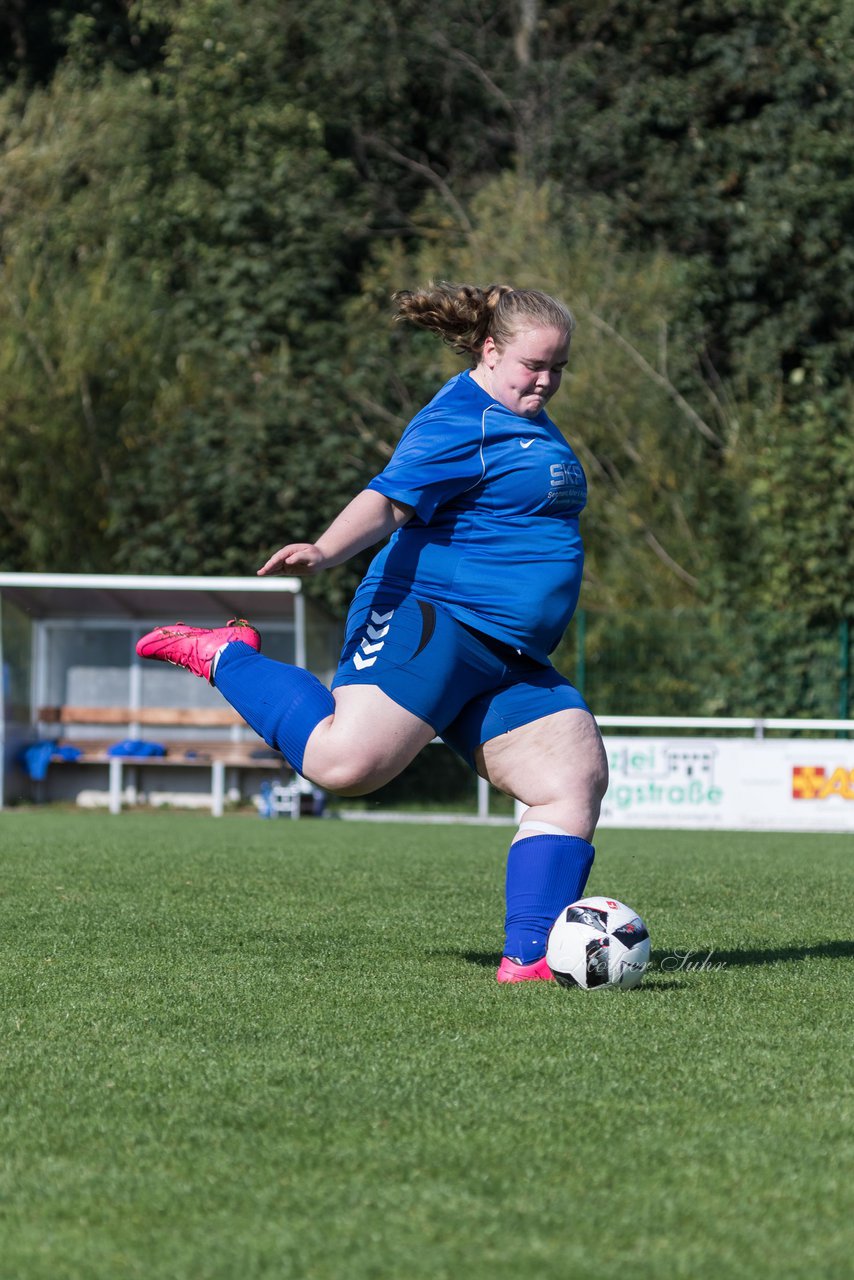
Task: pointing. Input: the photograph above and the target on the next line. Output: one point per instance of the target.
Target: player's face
(524, 374)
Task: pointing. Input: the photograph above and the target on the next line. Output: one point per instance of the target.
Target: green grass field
(271, 1049)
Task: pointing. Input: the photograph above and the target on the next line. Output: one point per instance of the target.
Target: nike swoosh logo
(526, 444)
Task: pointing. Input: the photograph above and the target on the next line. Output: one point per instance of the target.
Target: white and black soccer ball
(597, 943)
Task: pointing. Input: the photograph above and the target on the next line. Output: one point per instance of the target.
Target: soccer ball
(597, 943)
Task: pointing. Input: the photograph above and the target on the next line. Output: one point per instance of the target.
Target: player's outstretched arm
(368, 519)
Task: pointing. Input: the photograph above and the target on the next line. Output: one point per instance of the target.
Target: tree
(81, 329)
(722, 132)
(165, 239)
(36, 36)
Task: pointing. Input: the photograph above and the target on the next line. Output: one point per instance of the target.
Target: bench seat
(185, 752)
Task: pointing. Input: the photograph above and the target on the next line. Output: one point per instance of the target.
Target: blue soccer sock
(283, 704)
(544, 874)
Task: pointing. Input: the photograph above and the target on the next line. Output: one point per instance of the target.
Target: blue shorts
(467, 686)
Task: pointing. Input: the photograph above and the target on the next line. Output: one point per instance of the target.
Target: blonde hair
(464, 315)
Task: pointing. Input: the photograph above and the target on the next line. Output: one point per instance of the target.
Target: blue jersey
(494, 538)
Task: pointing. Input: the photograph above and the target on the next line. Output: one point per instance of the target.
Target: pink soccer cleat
(195, 647)
(514, 971)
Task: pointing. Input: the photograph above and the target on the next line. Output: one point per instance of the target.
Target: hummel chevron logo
(526, 444)
(373, 632)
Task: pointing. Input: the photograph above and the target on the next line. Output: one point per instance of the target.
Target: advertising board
(730, 784)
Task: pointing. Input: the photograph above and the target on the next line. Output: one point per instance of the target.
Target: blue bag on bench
(136, 747)
(38, 756)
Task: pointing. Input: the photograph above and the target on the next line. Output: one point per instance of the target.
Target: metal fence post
(844, 668)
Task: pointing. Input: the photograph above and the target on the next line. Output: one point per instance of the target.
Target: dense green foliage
(204, 209)
(278, 1051)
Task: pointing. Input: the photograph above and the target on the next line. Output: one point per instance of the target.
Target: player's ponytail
(465, 315)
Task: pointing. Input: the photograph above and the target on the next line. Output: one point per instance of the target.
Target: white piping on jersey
(482, 475)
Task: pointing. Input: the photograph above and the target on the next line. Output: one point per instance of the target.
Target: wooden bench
(171, 717)
(216, 756)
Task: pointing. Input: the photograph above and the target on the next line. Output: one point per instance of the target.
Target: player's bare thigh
(555, 765)
(368, 740)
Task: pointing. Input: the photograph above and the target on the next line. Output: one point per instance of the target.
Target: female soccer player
(449, 632)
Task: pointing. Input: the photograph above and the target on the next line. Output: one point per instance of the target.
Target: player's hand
(297, 559)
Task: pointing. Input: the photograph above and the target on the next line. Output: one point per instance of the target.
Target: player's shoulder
(460, 392)
(455, 406)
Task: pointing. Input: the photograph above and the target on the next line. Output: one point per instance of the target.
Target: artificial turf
(272, 1049)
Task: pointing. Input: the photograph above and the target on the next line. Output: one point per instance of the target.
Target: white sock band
(215, 661)
(543, 828)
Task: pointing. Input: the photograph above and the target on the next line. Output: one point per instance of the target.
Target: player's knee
(597, 781)
(577, 797)
(340, 779)
(594, 784)
(345, 777)
(586, 781)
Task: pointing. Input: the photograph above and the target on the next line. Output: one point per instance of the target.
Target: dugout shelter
(75, 694)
